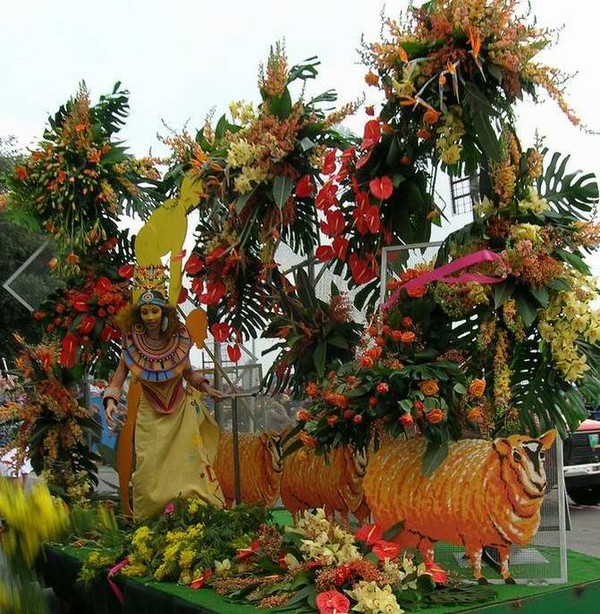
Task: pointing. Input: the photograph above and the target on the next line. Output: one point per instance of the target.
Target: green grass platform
(61, 565)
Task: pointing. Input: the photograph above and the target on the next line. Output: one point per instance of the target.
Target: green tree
(16, 245)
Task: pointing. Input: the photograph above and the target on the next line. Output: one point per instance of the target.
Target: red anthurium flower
(68, 354)
(362, 273)
(234, 352)
(369, 533)
(220, 331)
(332, 602)
(183, 295)
(198, 286)
(108, 333)
(214, 292)
(381, 187)
(334, 224)
(81, 306)
(202, 580)
(194, 264)
(102, 285)
(362, 160)
(386, 550)
(215, 254)
(438, 574)
(86, 325)
(126, 271)
(245, 553)
(372, 219)
(305, 187)
(340, 247)
(326, 197)
(329, 162)
(323, 253)
(372, 134)
(348, 156)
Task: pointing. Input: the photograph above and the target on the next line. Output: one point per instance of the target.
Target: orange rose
(435, 416)
(331, 420)
(302, 415)
(312, 390)
(307, 440)
(475, 415)
(431, 116)
(477, 388)
(429, 387)
(408, 337)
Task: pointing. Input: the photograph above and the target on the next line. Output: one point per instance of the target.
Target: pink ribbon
(116, 590)
(442, 274)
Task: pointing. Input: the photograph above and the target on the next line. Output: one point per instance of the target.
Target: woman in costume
(175, 437)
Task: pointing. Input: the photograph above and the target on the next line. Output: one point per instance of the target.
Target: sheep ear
(502, 446)
(547, 439)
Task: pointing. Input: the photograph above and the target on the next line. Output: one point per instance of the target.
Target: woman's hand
(206, 388)
(112, 411)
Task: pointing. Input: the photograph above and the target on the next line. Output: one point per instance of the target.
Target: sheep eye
(516, 456)
(542, 456)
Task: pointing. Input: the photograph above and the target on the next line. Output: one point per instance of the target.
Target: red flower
(362, 160)
(20, 173)
(305, 187)
(382, 388)
(334, 224)
(214, 292)
(340, 247)
(198, 286)
(169, 509)
(327, 196)
(183, 295)
(220, 332)
(126, 271)
(108, 333)
(369, 533)
(102, 285)
(362, 273)
(202, 580)
(384, 549)
(215, 254)
(86, 326)
(246, 553)
(332, 602)
(381, 187)
(234, 352)
(329, 162)
(372, 134)
(68, 354)
(194, 264)
(406, 420)
(323, 253)
(438, 574)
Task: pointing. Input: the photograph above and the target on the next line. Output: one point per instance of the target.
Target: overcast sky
(182, 58)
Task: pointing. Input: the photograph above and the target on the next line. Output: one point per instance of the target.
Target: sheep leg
(474, 552)
(427, 550)
(504, 552)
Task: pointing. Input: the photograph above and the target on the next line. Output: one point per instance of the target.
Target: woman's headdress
(150, 285)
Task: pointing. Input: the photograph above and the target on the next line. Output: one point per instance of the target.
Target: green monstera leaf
(572, 194)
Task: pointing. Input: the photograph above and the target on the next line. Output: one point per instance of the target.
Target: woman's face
(151, 316)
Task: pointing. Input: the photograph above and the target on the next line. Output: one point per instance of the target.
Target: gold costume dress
(176, 439)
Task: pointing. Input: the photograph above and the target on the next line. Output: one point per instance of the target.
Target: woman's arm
(197, 380)
(112, 393)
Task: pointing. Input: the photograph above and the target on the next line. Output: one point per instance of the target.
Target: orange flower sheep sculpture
(485, 493)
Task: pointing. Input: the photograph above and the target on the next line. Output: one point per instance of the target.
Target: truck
(581, 454)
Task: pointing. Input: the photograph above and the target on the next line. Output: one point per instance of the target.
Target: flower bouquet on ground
(179, 546)
(318, 566)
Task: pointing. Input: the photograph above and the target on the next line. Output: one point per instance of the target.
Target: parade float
(434, 381)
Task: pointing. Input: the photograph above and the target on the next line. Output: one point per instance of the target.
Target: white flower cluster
(371, 599)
